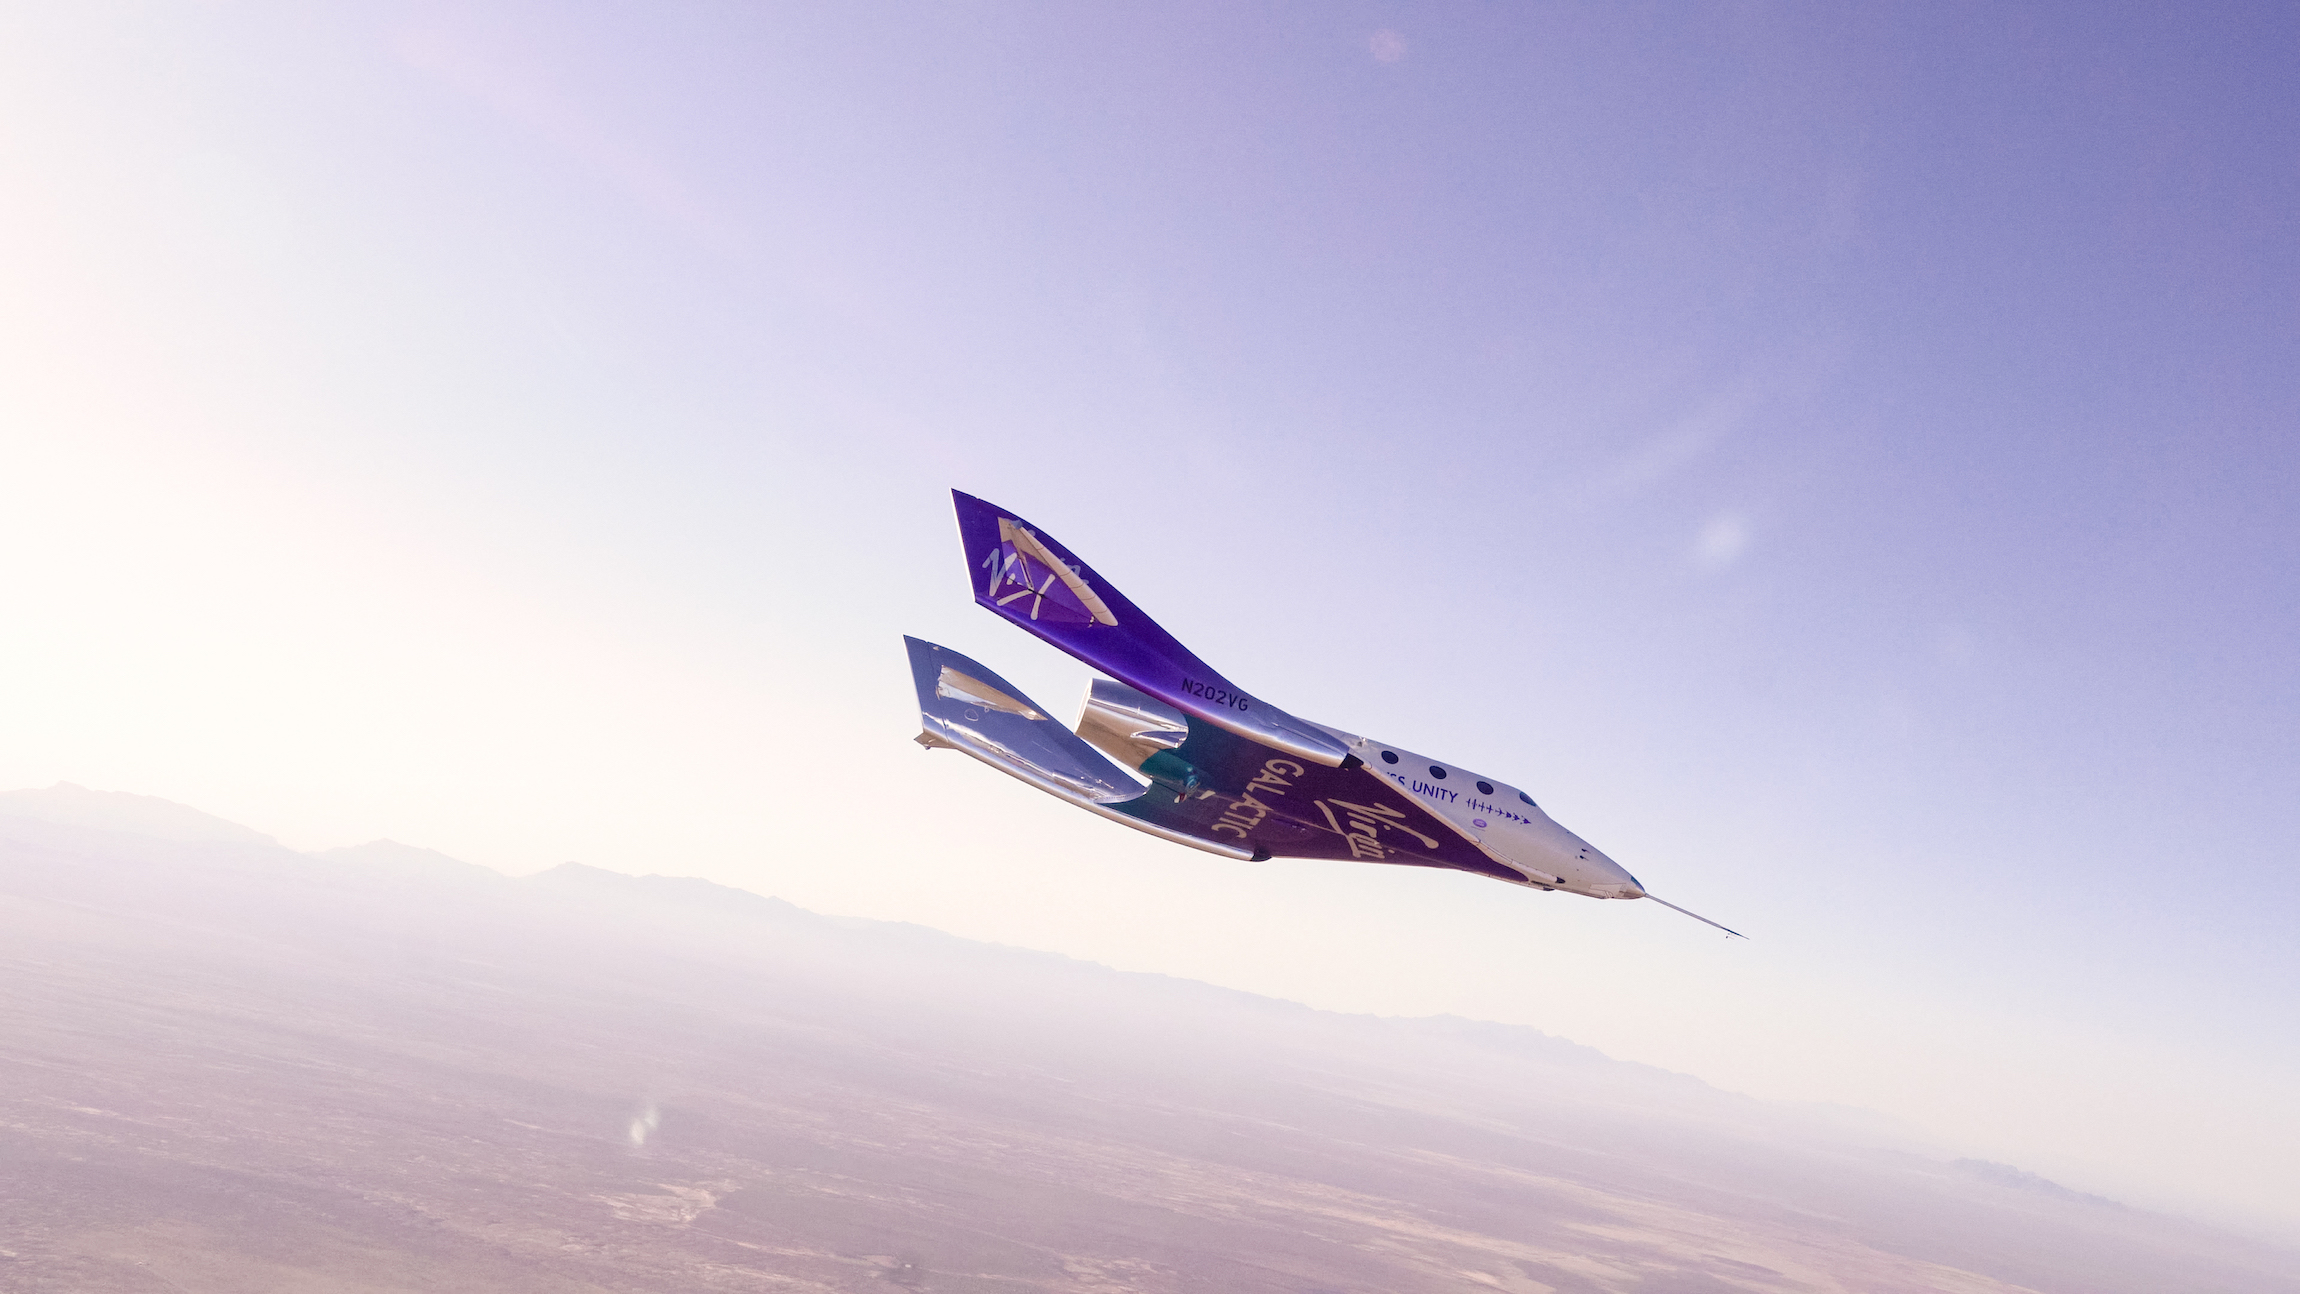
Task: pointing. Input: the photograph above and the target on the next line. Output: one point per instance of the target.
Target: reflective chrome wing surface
(964, 706)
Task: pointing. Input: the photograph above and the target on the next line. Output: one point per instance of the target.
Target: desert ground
(226, 1066)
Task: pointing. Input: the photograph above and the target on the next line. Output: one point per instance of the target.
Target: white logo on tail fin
(1022, 566)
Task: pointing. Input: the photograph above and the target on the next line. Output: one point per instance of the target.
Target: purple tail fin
(1023, 574)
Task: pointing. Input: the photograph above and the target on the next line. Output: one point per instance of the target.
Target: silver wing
(963, 706)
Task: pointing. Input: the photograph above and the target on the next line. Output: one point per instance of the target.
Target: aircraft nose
(1609, 878)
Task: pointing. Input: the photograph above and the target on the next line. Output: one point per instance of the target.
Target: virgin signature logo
(1022, 566)
(1362, 825)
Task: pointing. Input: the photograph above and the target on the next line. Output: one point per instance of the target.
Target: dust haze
(228, 1066)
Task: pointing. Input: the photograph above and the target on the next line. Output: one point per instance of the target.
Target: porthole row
(1438, 772)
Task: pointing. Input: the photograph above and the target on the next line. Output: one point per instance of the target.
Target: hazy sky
(1842, 460)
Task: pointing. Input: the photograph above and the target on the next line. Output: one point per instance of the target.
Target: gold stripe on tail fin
(1026, 542)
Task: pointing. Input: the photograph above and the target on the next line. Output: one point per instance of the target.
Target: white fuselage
(1501, 820)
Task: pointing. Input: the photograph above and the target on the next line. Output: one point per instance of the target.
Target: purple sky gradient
(1844, 461)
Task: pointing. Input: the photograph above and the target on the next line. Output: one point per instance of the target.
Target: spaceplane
(1169, 746)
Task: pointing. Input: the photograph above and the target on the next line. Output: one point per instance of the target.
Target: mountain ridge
(398, 864)
(71, 806)
(396, 1009)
